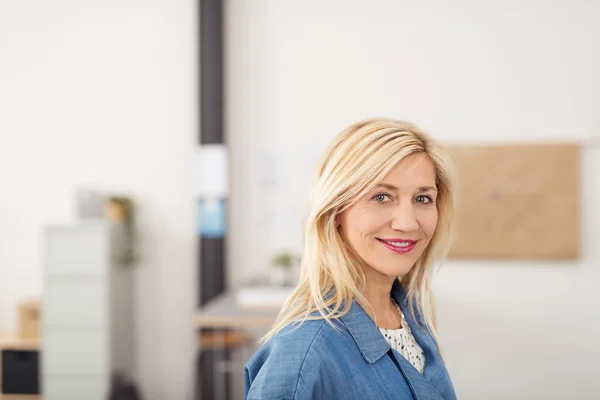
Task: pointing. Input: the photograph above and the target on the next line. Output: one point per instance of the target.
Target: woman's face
(392, 225)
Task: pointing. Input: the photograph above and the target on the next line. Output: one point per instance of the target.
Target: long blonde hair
(356, 161)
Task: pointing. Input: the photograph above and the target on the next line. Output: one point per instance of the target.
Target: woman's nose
(404, 218)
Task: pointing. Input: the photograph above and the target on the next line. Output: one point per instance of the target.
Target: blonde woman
(361, 322)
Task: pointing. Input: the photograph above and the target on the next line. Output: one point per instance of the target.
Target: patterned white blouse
(403, 341)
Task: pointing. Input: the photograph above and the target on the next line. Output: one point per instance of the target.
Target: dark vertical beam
(211, 71)
(212, 268)
(211, 247)
(212, 250)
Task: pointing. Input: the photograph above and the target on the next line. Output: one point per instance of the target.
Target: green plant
(284, 259)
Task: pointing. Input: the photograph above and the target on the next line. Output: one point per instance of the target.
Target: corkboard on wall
(517, 202)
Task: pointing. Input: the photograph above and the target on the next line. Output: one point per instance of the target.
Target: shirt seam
(304, 360)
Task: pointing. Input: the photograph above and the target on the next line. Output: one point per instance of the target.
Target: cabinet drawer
(75, 303)
(81, 251)
(74, 352)
(75, 388)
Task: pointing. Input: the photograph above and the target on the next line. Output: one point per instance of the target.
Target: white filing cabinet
(87, 312)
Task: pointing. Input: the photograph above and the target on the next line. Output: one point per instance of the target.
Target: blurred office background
(104, 95)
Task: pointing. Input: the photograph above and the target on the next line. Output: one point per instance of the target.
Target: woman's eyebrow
(387, 186)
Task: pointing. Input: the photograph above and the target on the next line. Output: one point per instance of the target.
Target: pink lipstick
(399, 245)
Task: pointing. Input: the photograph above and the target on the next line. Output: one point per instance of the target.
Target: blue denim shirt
(318, 361)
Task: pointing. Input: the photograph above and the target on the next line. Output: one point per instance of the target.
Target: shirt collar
(365, 333)
(373, 346)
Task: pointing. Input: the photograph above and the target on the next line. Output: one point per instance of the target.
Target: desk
(221, 376)
(224, 312)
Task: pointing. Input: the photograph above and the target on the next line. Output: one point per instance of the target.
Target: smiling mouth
(399, 245)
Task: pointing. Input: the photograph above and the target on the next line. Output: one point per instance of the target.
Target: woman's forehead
(411, 172)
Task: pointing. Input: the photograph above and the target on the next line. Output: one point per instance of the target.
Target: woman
(360, 324)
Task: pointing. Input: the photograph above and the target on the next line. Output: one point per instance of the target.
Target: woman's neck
(380, 307)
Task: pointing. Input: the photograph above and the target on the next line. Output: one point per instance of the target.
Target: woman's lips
(399, 245)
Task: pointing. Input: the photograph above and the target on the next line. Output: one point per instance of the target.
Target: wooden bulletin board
(517, 202)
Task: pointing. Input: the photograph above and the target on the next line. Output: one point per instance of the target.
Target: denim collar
(369, 340)
(365, 333)
(373, 346)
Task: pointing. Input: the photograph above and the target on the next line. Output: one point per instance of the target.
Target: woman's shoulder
(285, 357)
(293, 342)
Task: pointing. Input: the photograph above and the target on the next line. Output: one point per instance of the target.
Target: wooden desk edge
(233, 322)
(13, 343)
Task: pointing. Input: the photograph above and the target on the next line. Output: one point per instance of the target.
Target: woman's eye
(424, 199)
(380, 197)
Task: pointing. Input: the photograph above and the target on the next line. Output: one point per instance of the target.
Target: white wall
(465, 71)
(102, 94)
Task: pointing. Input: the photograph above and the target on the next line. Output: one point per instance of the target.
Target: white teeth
(400, 244)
